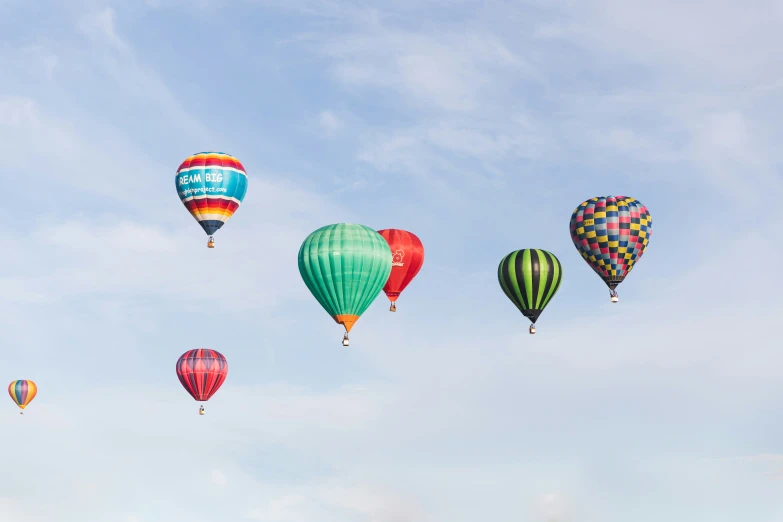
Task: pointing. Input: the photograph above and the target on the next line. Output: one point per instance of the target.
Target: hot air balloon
(202, 371)
(611, 233)
(530, 278)
(22, 392)
(345, 267)
(211, 185)
(407, 258)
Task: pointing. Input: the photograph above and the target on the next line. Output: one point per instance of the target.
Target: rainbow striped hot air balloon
(22, 392)
(211, 185)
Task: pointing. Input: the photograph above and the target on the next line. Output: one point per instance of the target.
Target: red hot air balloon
(202, 371)
(407, 258)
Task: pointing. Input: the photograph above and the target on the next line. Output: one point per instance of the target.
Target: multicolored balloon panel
(530, 278)
(611, 234)
(211, 185)
(22, 392)
(407, 259)
(202, 371)
(345, 266)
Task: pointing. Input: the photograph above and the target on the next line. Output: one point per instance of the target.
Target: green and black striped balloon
(530, 278)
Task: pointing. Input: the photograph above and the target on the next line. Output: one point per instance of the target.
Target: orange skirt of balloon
(346, 320)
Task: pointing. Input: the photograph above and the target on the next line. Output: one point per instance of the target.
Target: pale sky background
(480, 126)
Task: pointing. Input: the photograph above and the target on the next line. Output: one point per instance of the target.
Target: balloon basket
(211, 242)
(201, 411)
(393, 307)
(532, 329)
(614, 298)
(345, 339)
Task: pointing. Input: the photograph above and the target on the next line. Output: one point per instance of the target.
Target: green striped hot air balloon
(345, 266)
(530, 278)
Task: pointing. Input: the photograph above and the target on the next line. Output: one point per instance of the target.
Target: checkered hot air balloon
(211, 185)
(202, 372)
(611, 234)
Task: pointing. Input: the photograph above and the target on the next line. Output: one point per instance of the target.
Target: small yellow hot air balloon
(22, 392)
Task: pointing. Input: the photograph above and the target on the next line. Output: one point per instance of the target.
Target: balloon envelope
(201, 372)
(211, 185)
(611, 234)
(345, 267)
(22, 392)
(530, 278)
(407, 259)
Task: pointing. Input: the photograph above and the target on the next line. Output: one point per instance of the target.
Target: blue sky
(480, 126)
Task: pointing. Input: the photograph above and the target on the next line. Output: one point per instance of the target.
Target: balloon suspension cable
(345, 339)
(532, 329)
(393, 307)
(211, 242)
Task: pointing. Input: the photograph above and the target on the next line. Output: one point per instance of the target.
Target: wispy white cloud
(129, 257)
(218, 478)
(71, 158)
(724, 41)
(448, 71)
(336, 501)
(724, 144)
(329, 121)
(442, 147)
(552, 508)
(100, 25)
(476, 73)
(288, 508)
(30, 60)
(16, 111)
(11, 509)
(374, 504)
(767, 465)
